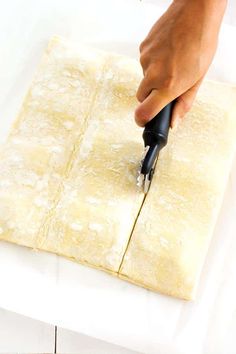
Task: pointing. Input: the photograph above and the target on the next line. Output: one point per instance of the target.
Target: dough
(68, 180)
(98, 205)
(172, 234)
(69, 165)
(34, 158)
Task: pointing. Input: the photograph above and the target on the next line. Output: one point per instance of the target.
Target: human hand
(176, 55)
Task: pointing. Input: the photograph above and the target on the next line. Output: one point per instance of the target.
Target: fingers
(151, 105)
(144, 89)
(183, 104)
(147, 84)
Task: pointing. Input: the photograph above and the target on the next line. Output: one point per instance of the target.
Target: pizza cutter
(155, 136)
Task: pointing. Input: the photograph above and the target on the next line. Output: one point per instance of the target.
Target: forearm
(176, 55)
(204, 15)
(204, 2)
(215, 9)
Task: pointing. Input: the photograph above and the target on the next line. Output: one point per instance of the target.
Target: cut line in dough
(68, 172)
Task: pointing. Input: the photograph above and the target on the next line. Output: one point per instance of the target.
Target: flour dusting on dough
(95, 227)
(76, 226)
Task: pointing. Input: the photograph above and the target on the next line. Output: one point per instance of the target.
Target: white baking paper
(58, 291)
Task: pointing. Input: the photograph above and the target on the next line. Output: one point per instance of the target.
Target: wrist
(203, 2)
(213, 5)
(212, 10)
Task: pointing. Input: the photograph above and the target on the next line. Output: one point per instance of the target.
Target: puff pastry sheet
(171, 237)
(68, 172)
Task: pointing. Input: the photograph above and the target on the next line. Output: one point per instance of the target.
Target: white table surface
(20, 26)
(21, 334)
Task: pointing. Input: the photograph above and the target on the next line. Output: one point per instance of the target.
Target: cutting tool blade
(144, 179)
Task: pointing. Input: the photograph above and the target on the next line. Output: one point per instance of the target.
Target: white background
(37, 285)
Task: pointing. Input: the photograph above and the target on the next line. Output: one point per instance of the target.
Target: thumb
(184, 103)
(152, 105)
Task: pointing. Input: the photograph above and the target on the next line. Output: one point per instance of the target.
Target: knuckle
(141, 46)
(143, 60)
(157, 77)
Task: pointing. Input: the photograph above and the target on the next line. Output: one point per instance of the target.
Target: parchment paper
(58, 291)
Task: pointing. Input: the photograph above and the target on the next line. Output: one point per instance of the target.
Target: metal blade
(140, 176)
(144, 180)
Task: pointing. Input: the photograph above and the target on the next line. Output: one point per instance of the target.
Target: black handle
(156, 131)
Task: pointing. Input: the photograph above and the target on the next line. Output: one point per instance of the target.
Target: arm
(176, 55)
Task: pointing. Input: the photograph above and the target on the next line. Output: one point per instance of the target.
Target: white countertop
(58, 291)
